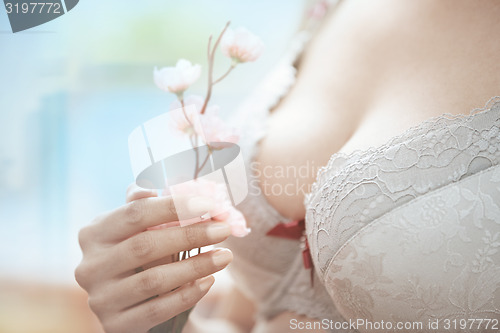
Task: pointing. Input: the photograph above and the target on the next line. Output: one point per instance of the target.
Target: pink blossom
(184, 122)
(210, 126)
(194, 100)
(319, 9)
(217, 132)
(238, 223)
(192, 107)
(241, 45)
(222, 211)
(177, 79)
(207, 188)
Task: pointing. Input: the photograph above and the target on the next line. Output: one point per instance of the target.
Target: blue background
(73, 89)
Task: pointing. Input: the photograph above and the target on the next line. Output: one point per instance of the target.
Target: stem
(225, 74)
(211, 57)
(209, 46)
(198, 169)
(185, 113)
(209, 90)
(194, 141)
(205, 161)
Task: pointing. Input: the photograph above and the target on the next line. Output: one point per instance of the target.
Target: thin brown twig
(220, 37)
(225, 74)
(185, 113)
(198, 170)
(211, 58)
(209, 44)
(193, 139)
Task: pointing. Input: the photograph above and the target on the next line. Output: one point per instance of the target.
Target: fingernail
(206, 282)
(200, 205)
(218, 230)
(222, 257)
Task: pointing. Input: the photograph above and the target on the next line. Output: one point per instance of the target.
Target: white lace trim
(325, 172)
(354, 189)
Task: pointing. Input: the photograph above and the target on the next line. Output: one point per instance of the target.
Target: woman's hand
(118, 245)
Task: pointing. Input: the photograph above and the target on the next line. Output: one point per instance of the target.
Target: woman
(402, 225)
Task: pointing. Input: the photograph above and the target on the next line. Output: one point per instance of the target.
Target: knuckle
(96, 304)
(198, 266)
(154, 311)
(84, 236)
(98, 220)
(82, 274)
(189, 296)
(142, 245)
(149, 281)
(130, 189)
(112, 326)
(191, 235)
(171, 207)
(134, 211)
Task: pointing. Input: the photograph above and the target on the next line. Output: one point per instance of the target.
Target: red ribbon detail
(291, 230)
(306, 256)
(294, 230)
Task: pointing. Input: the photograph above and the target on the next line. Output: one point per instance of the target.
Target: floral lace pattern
(410, 230)
(439, 259)
(364, 185)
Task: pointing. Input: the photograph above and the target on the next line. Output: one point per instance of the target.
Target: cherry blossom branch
(181, 99)
(211, 57)
(206, 159)
(224, 75)
(209, 48)
(198, 170)
(240, 46)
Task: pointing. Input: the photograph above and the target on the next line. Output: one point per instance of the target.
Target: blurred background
(71, 91)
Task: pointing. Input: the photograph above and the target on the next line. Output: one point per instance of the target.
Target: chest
(359, 87)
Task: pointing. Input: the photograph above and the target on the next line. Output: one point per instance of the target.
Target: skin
(385, 66)
(411, 60)
(117, 243)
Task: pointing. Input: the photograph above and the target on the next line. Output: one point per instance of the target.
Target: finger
(165, 278)
(135, 192)
(160, 309)
(142, 214)
(149, 246)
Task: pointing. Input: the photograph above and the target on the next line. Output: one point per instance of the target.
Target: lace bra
(410, 231)
(438, 151)
(396, 232)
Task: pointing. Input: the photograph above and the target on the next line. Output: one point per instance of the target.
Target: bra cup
(436, 257)
(354, 190)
